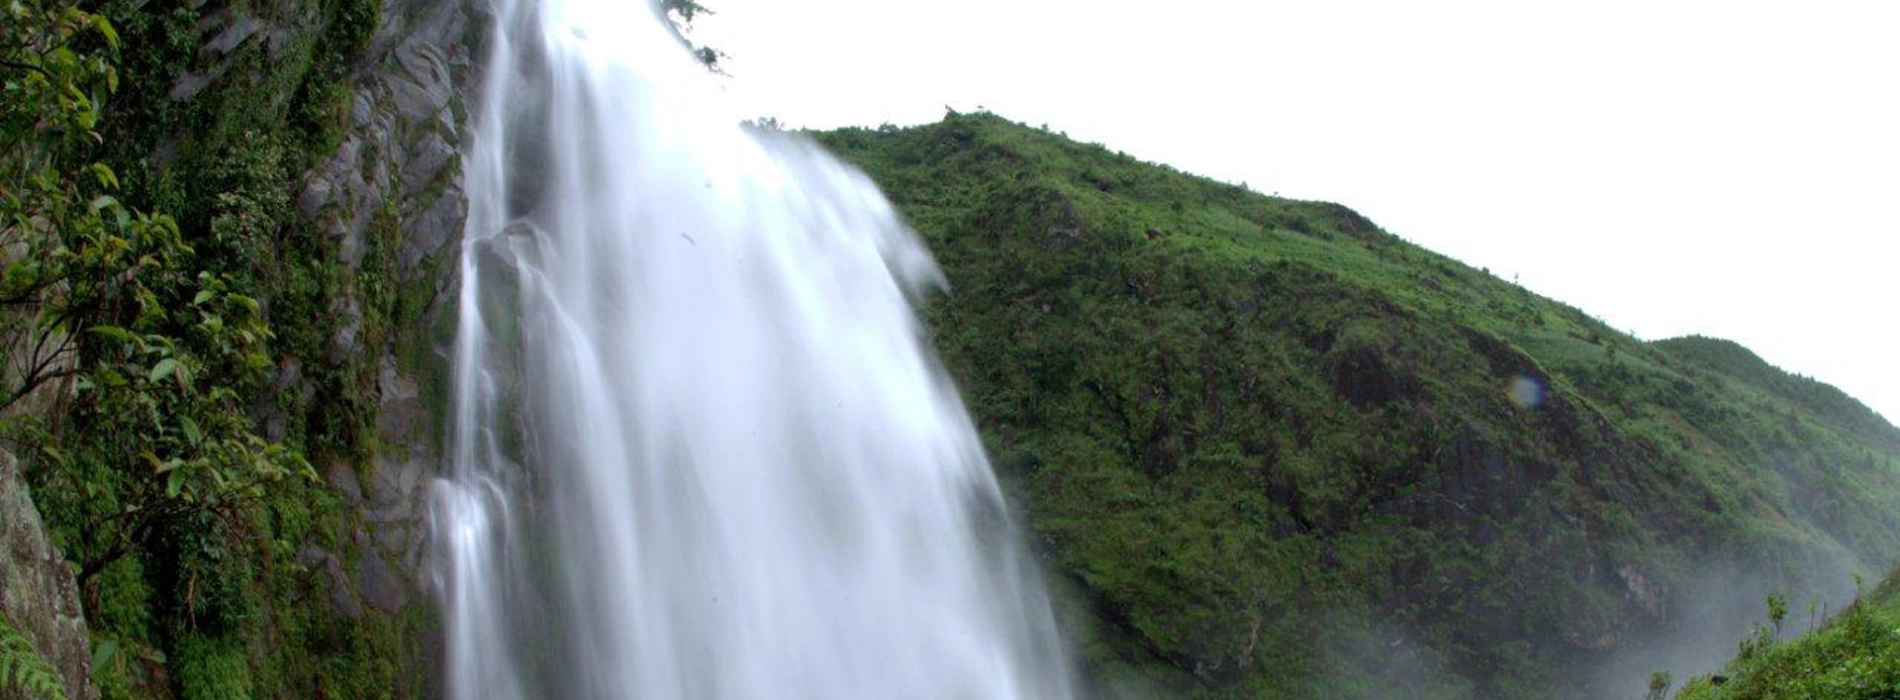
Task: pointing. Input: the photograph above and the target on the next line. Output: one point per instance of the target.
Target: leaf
(105, 176)
(174, 482)
(23, 669)
(114, 332)
(192, 435)
(202, 297)
(105, 29)
(103, 651)
(166, 366)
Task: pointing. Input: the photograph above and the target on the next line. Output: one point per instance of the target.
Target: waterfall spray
(700, 449)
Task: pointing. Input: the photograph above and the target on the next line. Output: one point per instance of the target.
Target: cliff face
(390, 198)
(309, 150)
(37, 595)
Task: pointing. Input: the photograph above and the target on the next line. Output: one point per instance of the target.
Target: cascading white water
(700, 450)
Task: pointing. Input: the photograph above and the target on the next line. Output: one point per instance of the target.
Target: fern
(22, 669)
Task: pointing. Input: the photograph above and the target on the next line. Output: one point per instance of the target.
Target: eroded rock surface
(37, 592)
(395, 181)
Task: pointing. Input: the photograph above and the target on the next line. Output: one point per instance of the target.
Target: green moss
(125, 600)
(318, 652)
(212, 669)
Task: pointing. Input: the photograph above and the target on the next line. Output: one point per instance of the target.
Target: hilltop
(1270, 449)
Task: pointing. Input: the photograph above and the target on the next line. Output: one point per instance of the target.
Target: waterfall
(700, 449)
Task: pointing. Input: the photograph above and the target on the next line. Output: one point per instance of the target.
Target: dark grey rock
(393, 538)
(426, 160)
(312, 555)
(233, 35)
(430, 233)
(344, 343)
(385, 484)
(399, 407)
(338, 591)
(37, 592)
(379, 584)
(362, 109)
(342, 477)
(276, 425)
(425, 87)
(190, 84)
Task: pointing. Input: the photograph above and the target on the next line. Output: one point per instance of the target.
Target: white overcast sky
(1725, 168)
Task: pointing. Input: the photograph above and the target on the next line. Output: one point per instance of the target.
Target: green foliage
(1659, 684)
(159, 347)
(213, 669)
(1856, 655)
(23, 670)
(57, 60)
(323, 97)
(1276, 448)
(171, 464)
(680, 15)
(53, 87)
(683, 10)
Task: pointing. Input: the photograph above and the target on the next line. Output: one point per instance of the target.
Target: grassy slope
(1855, 655)
(1272, 447)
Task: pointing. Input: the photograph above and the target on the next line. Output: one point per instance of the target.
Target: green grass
(1272, 445)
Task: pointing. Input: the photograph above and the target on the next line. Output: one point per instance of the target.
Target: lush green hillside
(1855, 655)
(1275, 450)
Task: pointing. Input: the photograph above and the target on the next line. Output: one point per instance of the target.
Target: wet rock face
(400, 153)
(392, 566)
(395, 181)
(37, 593)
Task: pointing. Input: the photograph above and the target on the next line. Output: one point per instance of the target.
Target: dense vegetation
(1277, 451)
(167, 332)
